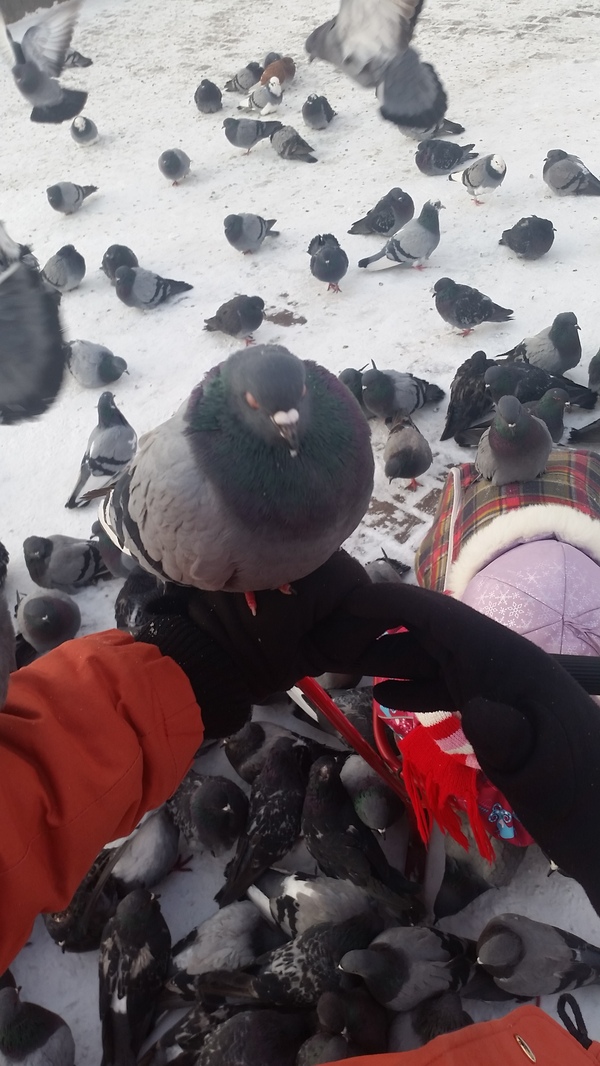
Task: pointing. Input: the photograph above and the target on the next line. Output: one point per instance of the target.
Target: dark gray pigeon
(328, 262)
(387, 393)
(550, 409)
(435, 1017)
(245, 78)
(589, 434)
(271, 57)
(515, 447)
(246, 132)
(483, 177)
(374, 802)
(149, 853)
(271, 408)
(352, 379)
(566, 175)
(246, 232)
(317, 112)
(386, 569)
(140, 288)
(530, 237)
(210, 812)
(231, 939)
(80, 925)
(389, 215)
(93, 365)
(30, 1035)
(323, 1047)
(555, 349)
(65, 270)
(208, 97)
(407, 453)
(594, 373)
(32, 355)
(138, 590)
(185, 1038)
(288, 143)
(66, 197)
(238, 317)
(297, 902)
(117, 255)
(110, 447)
(46, 619)
(83, 131)
(465, 307)
(174, 164)
(268, 1037)
(248, 749)
(528, 958)
(64, 563)
(354, 1012)
(531, 382)
(469, 396)
(434, 157)
(411, 245)
(8, 649)
(38, 61)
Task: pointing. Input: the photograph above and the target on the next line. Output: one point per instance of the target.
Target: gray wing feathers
(372, 34)
(46, 43)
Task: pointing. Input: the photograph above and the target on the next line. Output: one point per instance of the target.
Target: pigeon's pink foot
(465, 332)
(333, 287)
(418, 266)
(248, 341)
(286, 589)
(250, 598)
(478, 203)
(413, 485)
(180, 866)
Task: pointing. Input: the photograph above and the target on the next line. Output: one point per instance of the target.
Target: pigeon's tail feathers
(433, 393)
(579, 395)
(178, 286)
(270, 231)
(72, 103)
(212, 324)
(591, 185)
(360, 227)
(364, 263)
(75, 499)
(584, 434)
(500, 314)
(226, 983)
(411, 94)
(88, 190)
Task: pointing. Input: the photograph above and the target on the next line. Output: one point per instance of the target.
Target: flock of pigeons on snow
(294, 968)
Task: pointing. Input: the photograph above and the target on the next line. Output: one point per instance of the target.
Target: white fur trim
(562, 522)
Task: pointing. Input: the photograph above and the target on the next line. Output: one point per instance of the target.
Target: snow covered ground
(521, 78)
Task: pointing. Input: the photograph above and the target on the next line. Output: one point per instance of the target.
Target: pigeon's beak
(286, 424)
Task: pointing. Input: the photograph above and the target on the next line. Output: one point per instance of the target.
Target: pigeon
(529, 238)
(411, 245)
(515, 447)
(265, 98)
(297, 902)
(283, 68)
(93, 365)
(74, 58)
(246, 232)
(465, 307)
(550, 409)
(9, 648)
(211, 812)
(46, 619)
(403, 966)
(232, 938)
(38, 61)
(288, 143)
(407, 453)
(371, 45)
(66, 197)
(208, 97)
(65, 270)
(594, 373)
(386, 569)
(246, 132)
(187, 1035)
(4, 561)
(140, 288)
(531, 382)
(469, 396)
(134, 963)
(271, 57)
(388, 393)
(117, 255)
(323, 1047)
(30, 1035)
(83, 131)
(566, 175)
(555, 349)
(341, 843)
(174, 164)
(139, 589)
(32, 356)
(110, 447)
(273, 820)
(268, 1037)
(317, 112)
(354, 1012)
(444, 128)
(119, 564)
(64, 563)
(528, 958)
(435, 157)
(374, 802)
(483, 176)
(238, 317)
(435, 1017)
(328, 262)
(389, 215)
(248, 750)
(352, 379)
(589, 434)
(254, 414)
(244, 79)
(149, 854)
(80, 925)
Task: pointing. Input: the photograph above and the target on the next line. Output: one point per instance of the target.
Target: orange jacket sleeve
(92, 735)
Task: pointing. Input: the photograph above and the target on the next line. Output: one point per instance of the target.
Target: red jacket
(92, 736)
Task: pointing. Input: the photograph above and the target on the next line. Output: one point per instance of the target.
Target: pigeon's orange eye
(251, 401)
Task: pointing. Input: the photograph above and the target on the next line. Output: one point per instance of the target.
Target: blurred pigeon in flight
(389, 215)
(483, 176)
(515, 447)
(288, 143)
(566, 175)
(411, 245)
(117, 255)
(555, 349)
(110, 447)
(530, 237)
(328, 262)
(435, 157)
(317, 112)
(64, 563)
(246, 232)
(140, 288)
(244, 79)
(238, 317)
(83, 131)
(174, 164)
(66, 197)
(246, 132)
(93, 365)
(208, 97)
(465, 307)
(65, 270)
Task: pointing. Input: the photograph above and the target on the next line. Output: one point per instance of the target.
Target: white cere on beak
(286, 418)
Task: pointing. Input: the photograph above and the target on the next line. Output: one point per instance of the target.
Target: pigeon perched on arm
(555, 349)
(411, 245)
(245, 78)
(317, 112)
(528, 958)
(110, 447)
(388, 393)
(246, 232)
(38, 61)
(407, 453)
(434, 157)
(64, 563)
(238, 317)
(515, 447)
(389, 215)
(174, 164)
(46, 619)
(483, 177)
(84, 132)
(65, 270)
(117, 255)
(469, 396)
(265, 98)
(208, 97)
(66, 197)
(93, 365)
(465, 307)
(530, 237)
(30, 1035)
(140, 288)
(288, 143)
(246, 132)
(328, 262)
(210, 812)
(566, 175)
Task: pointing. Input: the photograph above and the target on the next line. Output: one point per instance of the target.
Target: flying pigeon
(246, 232)
(317, 112)
(65, 270)
(83, 131)
(434, 1017)
(387, 393)
(265, 98)
(174, 164)
(93, 365)
(64, 563)
(238, 317)
(389, 215)
(328, 262)
(465, 307)
(555, 349)
(149, 853)
(297, 902)
(244, 79)
(255, 414)
(110, 447)
(46, 619)
(140, 288)
(528, 958)
(374, 801)
(530, 237)
(566, 175)
(288, 143)
(550, 409)
(66, 197)
(469, 396)
(117, 255)
(531, 382)
(210, 812)
(434, 157)
(483, 177)
(232, 938)
(283, 68)
(515, 447)
(411, 245)
(38, 61)
(208, 97)
(407, 453)
(246, 132)
(30, 1035)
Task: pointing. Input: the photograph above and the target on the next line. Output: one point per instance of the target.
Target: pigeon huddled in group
(483, 177)
(210, 812)
(465, 307)
(93, 365)
(246, 132)
(407, 453)
(208, 97)
(117, 255)
(140, 288)
(84, 131)
(328, 262)
(515, 447)
(246, 232)
(48, 618)
(555, 349)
